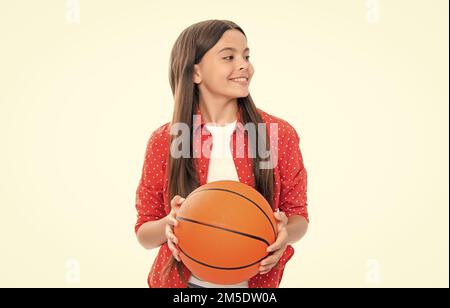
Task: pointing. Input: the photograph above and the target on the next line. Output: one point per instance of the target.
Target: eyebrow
(232, 49)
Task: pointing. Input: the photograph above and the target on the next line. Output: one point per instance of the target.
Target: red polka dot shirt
(290, 184)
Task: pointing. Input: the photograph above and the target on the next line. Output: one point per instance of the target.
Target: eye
(231, 57)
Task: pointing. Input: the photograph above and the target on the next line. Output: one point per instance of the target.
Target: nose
(243, 64)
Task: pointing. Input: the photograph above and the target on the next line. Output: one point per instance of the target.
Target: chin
(234, 93)
(240, 93)
(244, 95)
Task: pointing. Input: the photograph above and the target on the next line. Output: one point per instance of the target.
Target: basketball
(223, 231)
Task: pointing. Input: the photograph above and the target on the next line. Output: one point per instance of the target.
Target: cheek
(251, 70)
(220, 75)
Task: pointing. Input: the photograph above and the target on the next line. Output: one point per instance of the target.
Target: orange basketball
(223, 231)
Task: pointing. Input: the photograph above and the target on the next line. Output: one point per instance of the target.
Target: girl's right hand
(171, 220)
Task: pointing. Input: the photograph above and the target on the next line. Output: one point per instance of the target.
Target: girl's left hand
(278, 247)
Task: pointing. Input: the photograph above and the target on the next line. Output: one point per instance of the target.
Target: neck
(220, 112)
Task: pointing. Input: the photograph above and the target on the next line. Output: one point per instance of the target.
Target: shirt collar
(202, 123)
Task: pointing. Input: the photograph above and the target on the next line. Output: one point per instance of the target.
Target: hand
(171, 222)
(278, 247)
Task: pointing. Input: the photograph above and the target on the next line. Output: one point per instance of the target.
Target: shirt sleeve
(149, 194)
(293, 176)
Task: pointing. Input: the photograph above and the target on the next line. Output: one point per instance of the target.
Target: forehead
(231, 38)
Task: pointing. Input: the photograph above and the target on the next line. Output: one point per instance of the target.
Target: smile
(240, 80)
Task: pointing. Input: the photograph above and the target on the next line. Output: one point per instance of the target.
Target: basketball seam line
(254, 203)
(218, 267)
(225, 229)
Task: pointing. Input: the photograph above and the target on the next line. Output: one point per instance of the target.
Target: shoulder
(158, 142)
(160, 135)
(285, 129)
(157, 146)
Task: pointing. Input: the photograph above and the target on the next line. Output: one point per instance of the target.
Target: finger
(169, 233)
(269, 260)
(176, 201)
(281, 216)
(176, 255)
(174, 250)
(168, 230)
(174, 239)
(172, 221)
(274, 247)
(266, 268)
(277, 248)
(172, 247)
(171, 237)
(278, 244)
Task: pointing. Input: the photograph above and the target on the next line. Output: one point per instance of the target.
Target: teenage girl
(210, 73)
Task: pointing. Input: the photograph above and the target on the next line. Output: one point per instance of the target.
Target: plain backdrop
(83, 84)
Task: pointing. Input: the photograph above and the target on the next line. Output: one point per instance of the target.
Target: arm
(296, 228)
(290, 230)
(152, 233)
(293, 176)
(293, 216)
(155, 233)
(151, 215)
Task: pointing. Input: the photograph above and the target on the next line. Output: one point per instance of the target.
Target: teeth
(240, 79)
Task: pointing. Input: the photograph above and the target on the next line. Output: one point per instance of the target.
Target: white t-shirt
(221, 167)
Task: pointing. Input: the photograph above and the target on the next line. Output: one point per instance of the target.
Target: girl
(210, 72)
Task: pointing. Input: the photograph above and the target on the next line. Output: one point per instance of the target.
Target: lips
(241, 80)
(237, 77)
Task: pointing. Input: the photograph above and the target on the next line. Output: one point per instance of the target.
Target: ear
(197, 76)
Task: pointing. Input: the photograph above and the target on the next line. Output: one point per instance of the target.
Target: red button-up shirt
(290, 183)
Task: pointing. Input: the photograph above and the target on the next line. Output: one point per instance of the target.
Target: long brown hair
(188, 50)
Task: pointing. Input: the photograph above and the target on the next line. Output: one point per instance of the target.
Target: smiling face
(218, 71)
